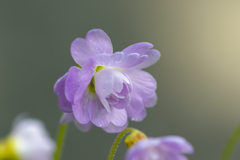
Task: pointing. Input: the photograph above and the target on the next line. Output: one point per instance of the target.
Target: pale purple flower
(161, 148)
(107, 88)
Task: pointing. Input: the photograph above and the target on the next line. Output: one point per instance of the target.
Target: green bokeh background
(198, 74)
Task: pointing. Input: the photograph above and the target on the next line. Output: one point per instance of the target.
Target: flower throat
(91, 85)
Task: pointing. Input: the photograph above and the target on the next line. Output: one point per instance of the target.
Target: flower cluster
(105, 88)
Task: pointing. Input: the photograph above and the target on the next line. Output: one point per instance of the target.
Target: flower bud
(134, 137)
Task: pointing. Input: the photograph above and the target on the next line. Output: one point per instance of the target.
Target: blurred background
(198, 74)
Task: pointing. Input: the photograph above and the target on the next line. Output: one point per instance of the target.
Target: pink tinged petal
(59, 89)
(72, 83)
(80, 110)
(151, 102)
(176, 144)
(66, 117)
(111, 128)
(140, 48)
(153, 56)
(83, 127)
(101, 117)
(143, 83)
(99, 41)
(86, 76)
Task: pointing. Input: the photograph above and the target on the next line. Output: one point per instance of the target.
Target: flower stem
(60, 141)
(232, 142)
(117, 142)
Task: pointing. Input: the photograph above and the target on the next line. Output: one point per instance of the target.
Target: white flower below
(29, 141)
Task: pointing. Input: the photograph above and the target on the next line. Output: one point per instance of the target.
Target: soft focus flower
(28, 140)
(107, 88)
(161, 148)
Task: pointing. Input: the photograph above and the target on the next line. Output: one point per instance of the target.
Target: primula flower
(161, 148)
(28, 140)
(106, 88)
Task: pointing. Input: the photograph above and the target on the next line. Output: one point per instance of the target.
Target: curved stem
(117, 142)
(60, 141)
(232, 142)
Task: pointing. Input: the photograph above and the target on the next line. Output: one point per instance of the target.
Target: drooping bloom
(106, 88)
(28, 140)
(161, 148)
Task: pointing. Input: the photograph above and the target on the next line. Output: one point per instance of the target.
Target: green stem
(117, 141)
(60, 141)
(232, 142)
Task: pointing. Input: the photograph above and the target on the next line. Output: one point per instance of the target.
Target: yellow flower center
(99, 68)
(91, 85)
(7, 149)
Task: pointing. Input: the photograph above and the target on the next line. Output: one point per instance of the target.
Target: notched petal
(99, 41)
(96, 42)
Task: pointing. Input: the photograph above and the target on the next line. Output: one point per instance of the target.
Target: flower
(106, 88)
(161, 148)
(28, 140)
